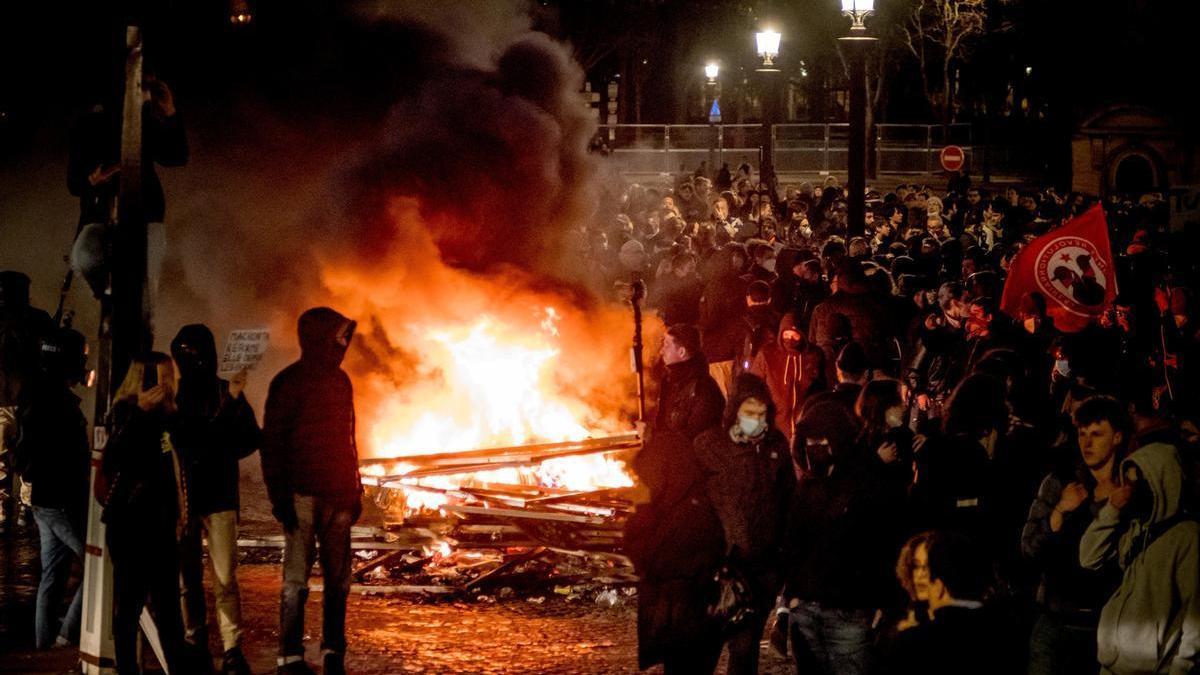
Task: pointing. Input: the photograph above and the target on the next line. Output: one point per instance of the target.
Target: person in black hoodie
(675, 540)
(310, 465)
(215, 428)
(145, 510)
(844, 528)
(52, 454)
(749, 477)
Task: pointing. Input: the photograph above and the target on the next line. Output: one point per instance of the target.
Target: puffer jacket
(308, 445)
(1152, 623)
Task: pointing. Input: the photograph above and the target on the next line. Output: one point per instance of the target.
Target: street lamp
(858, 10)
(767, 41)
(711, 70)
(768, 45)
(856, 45)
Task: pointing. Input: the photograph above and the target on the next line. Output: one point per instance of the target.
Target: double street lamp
(856, 45)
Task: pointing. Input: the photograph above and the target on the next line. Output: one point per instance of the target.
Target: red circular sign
(953, 158)
(1071, 270)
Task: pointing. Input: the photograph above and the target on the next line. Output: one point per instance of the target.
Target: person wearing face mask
(216, 428)
(1152, 622)
(762, 262)
(310, 465)
(749, 480)
(844, 526)
(794, 370)
(758, 326)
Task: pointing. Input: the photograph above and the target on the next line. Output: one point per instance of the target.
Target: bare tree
(939, 33)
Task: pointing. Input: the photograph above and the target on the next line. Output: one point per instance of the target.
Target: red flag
(1072, 267)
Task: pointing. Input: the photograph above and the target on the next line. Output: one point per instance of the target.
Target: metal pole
(856, 160)
(769, 78)
(635, 299)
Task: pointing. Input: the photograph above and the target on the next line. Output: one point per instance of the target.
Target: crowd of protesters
(169, 477)
(857, 453)
(854, 451)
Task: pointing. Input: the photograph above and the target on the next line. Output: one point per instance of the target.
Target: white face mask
(1062, 367)
(769, 264)
(751, 426)
(893, 418)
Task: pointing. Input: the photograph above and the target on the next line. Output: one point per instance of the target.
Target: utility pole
(125, 332)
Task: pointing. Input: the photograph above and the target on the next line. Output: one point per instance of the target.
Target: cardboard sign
(243, 350)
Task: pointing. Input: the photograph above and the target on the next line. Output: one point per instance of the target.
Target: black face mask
(193, 363)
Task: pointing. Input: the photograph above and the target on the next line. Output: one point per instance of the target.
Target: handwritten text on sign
(244, 350)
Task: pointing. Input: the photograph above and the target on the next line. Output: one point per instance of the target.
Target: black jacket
(308, 445)
(211, 440)
(96, 141)
(143, 489)
(844, 530)
(689, 402)
(52, 451)
(750, 484)
(21, 331)
(958, 640)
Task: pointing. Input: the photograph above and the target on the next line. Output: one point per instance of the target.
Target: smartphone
(150, 377)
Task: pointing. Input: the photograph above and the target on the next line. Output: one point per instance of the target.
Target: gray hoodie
(1151, 624)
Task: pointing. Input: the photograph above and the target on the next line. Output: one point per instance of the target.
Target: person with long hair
(882, 407)
(145, 510)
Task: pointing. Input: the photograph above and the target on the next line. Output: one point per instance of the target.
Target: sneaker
(334, 664)
(295, 668)
(234, 663)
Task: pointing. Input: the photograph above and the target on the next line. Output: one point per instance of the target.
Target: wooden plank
(522, 513)
(469, 456)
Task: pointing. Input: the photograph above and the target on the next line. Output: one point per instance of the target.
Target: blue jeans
(830, 640)
(318, 521)
(59, 541)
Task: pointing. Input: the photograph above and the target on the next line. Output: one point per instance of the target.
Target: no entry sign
(953, 158)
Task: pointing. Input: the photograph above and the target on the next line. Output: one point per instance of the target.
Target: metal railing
(798, 148)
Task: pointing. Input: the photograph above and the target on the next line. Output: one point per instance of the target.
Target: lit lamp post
(767, 42)
(711, 70)
(856, 45)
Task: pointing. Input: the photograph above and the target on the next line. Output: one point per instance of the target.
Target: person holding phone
(145, 510)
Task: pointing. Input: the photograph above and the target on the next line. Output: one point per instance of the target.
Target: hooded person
(1152, 622)
(215, 428)
(750, 479)
(844, 525)
(310, 465)
(793, 369)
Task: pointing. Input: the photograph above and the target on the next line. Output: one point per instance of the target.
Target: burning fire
(491, 384)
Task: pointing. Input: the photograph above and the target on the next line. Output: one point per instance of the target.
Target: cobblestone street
(387, 634)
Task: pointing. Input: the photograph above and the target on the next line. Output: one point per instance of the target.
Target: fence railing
(797, 148)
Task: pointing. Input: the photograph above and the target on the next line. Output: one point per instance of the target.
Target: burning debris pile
(470, 537)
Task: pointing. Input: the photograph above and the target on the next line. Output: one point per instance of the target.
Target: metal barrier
(798, 148)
